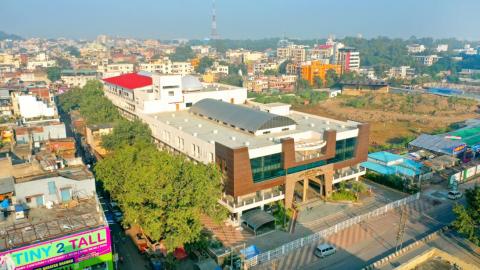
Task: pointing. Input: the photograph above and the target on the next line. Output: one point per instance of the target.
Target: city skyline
(240, 20)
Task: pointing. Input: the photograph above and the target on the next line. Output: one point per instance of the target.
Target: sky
(241, 19)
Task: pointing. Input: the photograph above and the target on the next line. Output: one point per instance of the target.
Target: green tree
(232, 79)
(182, 53)
(282, 69)
(73, 51)
(165, 194)
(317, 82)
(331, 78)
(467, 220)
(53, 73)
(302, 84)
(273, 72)
(126, 133)
(205, 63)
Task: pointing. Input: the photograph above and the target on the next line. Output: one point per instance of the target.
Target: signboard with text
(58, 252)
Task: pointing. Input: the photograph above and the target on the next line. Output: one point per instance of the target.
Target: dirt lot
(393, 116)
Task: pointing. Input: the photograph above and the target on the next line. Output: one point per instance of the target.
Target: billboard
(62, 251)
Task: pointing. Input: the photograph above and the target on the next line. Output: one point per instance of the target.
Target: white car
(324, 250)
(454, 195)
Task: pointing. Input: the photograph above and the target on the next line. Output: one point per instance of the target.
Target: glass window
(267, 167)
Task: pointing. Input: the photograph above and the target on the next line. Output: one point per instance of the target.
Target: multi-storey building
(316, 69)
(108, 70)
(77, 78)
(296, 53)
(427, 60)
(349, 59)
(265, 151)
(415, 48)
(182, 68)
(402, 72)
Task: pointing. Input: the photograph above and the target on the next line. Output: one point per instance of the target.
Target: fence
(301, 242)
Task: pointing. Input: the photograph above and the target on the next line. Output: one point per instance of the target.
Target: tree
(165, 194)
(302, 84)
(73, 51)
(317, 82)
(331, 78)
(468, 217)
(126, 133)
(53, 73)
(205, 63)
(232, 79)
(282, 69)
(182, 53)
(273, 72)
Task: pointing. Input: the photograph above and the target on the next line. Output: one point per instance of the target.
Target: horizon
(239, 20)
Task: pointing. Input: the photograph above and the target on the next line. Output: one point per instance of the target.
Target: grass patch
(343, 195)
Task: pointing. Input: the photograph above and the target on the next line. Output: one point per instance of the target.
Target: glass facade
(268, 167)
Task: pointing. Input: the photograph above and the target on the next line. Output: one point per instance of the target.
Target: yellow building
(317, 69)
(209, 77)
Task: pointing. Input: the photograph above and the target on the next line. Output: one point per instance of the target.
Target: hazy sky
(241, 18)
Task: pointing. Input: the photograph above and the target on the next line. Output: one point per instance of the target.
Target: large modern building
(349, 59)
(267, 152)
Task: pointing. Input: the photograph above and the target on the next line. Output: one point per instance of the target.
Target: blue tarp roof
(384, 156)
(250, 252)
(403, 169)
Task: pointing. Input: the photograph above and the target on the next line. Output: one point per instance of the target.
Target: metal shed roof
(257, 218)
(239, 116)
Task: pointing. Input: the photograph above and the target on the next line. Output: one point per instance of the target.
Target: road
(122, 244)
(365, 243)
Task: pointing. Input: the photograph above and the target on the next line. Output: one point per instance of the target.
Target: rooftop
(212, 131)
(43, 224)
(130, 81)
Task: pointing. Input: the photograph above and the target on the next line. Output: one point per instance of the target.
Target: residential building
(325, 51)
(264, 150)
(368, 72)
(315, 69)
(284, 83)
(31, 106)
(427, 60)
(261, 67)
(93, 137)
(6, 109)
(162, 66)
(140, 93)
(109, 70)
(402, 72)
(442, 48)
(182, 68)
(77, 78)
(216, 68)
(415, 48)
(55, 211)
(41, 60)
(296, 53)
(34, 134)
(349, 59)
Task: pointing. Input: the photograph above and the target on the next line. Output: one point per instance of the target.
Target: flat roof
(43, 224)
(211, 131)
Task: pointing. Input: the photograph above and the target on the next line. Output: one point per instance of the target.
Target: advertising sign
(58, 252)
(459, 149)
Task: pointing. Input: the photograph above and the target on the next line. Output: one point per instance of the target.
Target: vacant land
(394, 117)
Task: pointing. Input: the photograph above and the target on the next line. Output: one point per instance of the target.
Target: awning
(256, 219)
(7, 185)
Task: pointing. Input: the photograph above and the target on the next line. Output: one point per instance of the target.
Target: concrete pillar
(289, 191)
(305, 189)
(328, 176)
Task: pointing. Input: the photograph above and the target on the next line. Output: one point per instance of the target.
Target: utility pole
(401, 228)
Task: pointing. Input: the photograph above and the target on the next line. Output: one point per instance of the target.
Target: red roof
(130, 81)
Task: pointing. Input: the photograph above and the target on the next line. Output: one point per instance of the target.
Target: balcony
(349, 174)
(251, 202)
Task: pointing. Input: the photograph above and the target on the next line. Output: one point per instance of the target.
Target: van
(324, 250)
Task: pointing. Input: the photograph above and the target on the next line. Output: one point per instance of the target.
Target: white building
(110, 70)
(442, 48)
(402, 72)
(181, 68)
(415, 48)
(31, 107)
(427, 60)
(349, 59)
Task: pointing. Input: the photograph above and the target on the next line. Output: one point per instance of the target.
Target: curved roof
(239, 116)
(191, 83)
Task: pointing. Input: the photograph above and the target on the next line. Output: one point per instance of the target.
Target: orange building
(195, 62)
(318, 69)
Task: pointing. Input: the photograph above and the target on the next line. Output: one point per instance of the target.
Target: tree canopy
(165, 194)
(205, 63)
(53, 73)
(468, 217)
(127, 133)
(182, 53)
(91, 103)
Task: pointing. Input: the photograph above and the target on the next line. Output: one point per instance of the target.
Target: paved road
(122, 244)
(369, 241)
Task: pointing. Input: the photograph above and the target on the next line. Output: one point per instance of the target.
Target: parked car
(118, 216)
(324, 250)
(454, 195)
(109, 217)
